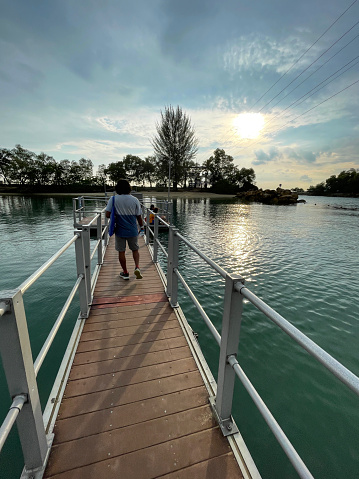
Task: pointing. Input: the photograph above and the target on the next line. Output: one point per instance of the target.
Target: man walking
(128, 213)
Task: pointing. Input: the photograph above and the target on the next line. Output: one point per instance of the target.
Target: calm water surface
(303, 260)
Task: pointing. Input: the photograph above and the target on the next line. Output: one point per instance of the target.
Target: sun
(249, 125)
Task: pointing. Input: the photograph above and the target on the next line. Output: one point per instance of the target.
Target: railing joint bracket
(228, 426)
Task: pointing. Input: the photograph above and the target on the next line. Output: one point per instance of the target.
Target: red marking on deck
(108, 302)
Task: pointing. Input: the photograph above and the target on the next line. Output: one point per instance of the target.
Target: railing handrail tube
(31, 280)
(95, 248)
(10, 418)
(201, 311)
(162, 247)
(278, 432)
(212, 263)
(50, 338)
(3, 308)
(334, 366)
(94, 218)
(163, 221)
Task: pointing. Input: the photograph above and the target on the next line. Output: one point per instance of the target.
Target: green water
(302, 260)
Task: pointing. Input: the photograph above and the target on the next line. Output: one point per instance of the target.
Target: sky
(89, 79)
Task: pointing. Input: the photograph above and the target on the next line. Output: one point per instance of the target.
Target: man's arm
(108, 214)
(140, 222)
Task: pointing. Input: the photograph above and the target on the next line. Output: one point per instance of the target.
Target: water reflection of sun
(249, 125)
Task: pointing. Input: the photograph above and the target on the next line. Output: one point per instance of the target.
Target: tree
(22, 168)
(219, 167)
(224, 176)
(175, 143)
(5, 162)
(134, 168)
(115, 171)
(149, 169)
(101, 176)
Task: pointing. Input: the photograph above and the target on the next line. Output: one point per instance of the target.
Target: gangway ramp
(136, 405)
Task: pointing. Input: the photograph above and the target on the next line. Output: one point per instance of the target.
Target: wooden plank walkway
(135, 405)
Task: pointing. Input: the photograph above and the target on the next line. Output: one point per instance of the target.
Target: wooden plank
(113, 365)
(128, 351)
(96, 401)
(127, 414)
(131, 299)
(167, 457)
(131, 376)
(127, 340)
(135, 405)
(129, 330)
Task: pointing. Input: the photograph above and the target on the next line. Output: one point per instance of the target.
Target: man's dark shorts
(120, 243)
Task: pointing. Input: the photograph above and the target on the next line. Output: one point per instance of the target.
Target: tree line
(346, 184)
(175, 148)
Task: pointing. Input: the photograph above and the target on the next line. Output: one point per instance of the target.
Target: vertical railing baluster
(82, 271)
(79, 207)
(106, 236)
(170, 262)
(174, 290)
(74, 202)
(87, 257)
(148, 226)
(155, 240)
(231, 323)
(19, 370)
(99, 237)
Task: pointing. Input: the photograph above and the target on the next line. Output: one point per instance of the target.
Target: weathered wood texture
(135, 405)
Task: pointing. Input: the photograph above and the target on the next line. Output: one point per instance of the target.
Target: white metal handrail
(236, 286)
(45, 348)
(19, 369)
(35, 276)
(334, 366)
(11, 416)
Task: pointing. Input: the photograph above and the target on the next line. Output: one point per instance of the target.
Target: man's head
(123, 187)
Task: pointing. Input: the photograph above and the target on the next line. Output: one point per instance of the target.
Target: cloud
(262, 157)
(300, 156)
(306, 179)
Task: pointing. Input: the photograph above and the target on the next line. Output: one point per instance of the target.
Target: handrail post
(231, 323)
(79, 208)
(106, 237)
(18, 365)
(155, 240)
(147, 226)
(74, 202)
(172, 279)
(99, 237)
(169, 262)
(87, 257)
(82, 270)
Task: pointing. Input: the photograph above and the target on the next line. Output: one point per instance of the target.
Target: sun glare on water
(249, 125)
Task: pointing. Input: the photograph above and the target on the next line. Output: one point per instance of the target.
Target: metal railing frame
(228, 367)
(15, 348)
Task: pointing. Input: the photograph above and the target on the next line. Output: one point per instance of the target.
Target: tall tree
(220, 167)
(149, 169)
(224, 176)
(134, 168)
(175, 143)
(115, 171)
(5, 163)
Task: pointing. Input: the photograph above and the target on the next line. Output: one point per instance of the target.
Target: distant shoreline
(157, 194)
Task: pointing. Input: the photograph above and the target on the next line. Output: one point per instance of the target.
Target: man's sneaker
(138, 273)
(124, 275)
